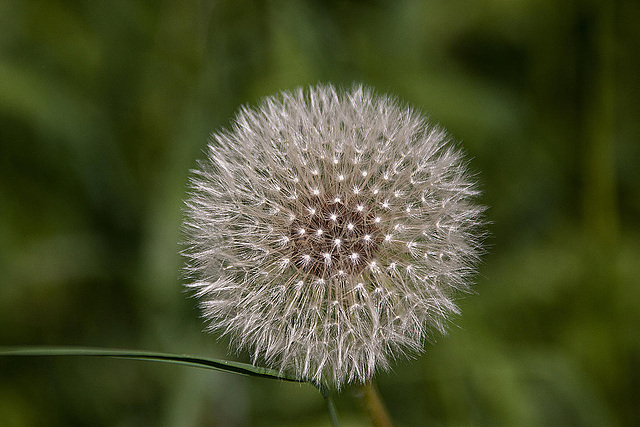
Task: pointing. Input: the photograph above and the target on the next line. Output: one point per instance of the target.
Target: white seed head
(329, 233)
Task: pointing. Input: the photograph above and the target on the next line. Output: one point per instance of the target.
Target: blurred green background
(105, 106)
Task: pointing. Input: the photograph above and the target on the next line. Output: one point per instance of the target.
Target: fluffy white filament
(329, 231)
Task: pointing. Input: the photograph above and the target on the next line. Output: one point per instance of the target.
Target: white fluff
(328, 232)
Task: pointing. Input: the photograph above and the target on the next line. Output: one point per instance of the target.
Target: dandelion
(329, 233)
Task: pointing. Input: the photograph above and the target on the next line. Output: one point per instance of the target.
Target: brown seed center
(334, 237)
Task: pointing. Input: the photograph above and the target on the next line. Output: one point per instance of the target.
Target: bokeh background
(105, 106)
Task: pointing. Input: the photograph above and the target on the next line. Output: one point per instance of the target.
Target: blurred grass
(104, 107)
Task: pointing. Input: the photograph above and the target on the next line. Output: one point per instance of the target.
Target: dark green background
(105, 106)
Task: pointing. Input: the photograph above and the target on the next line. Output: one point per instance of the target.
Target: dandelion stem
(598, 124)
(374, 405)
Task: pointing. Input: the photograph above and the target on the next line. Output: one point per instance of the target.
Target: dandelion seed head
(330, 232)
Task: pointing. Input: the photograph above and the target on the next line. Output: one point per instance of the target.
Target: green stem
(185, 360)
(598, 124)
(197, 362)
(333, 414)
(374, 405)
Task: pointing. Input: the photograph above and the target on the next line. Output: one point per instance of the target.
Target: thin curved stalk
(186, 360)
(179, 359)
(331, 408)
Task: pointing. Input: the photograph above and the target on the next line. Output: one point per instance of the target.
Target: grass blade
(180, 359)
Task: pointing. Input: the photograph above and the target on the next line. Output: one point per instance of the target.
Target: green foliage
(179, 359)
(104, 107)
